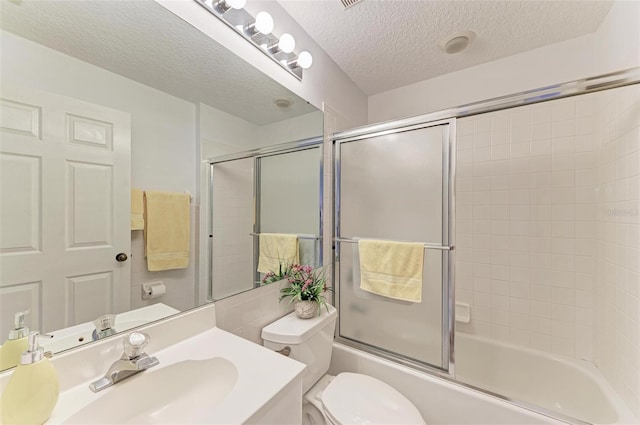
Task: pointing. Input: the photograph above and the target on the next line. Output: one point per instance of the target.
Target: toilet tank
(310, 340)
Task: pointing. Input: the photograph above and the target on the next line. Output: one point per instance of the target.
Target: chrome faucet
(105, 326)
(133, 361)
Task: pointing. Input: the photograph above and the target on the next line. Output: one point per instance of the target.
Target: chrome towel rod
(426, 245)
(313, 237)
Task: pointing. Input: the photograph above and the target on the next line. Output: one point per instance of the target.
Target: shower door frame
(256, 154)
(448, 244)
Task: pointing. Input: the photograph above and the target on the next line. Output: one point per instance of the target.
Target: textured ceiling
(143, 41)
(382, 45)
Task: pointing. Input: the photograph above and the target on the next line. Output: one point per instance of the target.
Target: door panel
(20, 118)
(21, 216)
(89, 205)
(65, 199)
(89, 296)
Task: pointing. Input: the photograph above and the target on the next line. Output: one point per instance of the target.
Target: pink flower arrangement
(305, 284)
(283, 272)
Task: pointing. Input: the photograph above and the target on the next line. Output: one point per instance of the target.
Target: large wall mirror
(274, 191)
(99, 98)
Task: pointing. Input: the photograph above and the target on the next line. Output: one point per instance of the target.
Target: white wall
(557, 63)
(615, 46)
(163, 138)
(292, 129)
(617, 41)
(221, 133)
(323, 82)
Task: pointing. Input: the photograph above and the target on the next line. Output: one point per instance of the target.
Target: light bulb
(305, 59)
(264, 23)
(236, 4)
(287, 43)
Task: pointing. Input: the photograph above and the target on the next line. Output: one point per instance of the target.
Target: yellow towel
(276, 249)
(167, 229)
(137, 209)
(392, 269)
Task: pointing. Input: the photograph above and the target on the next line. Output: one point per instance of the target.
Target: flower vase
(306, 309)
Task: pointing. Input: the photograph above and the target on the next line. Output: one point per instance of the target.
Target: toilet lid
(352, 398)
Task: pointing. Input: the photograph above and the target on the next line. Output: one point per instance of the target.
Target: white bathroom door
(64, 208)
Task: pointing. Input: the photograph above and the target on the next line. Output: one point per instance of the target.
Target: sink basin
(164, 395)
(212, 377)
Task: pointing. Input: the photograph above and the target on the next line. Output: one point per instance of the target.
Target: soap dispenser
(16, 344)
(32, 392)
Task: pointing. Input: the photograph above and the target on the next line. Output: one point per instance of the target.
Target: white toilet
(348, 398)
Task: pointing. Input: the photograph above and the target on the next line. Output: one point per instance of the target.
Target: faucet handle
(134, 342)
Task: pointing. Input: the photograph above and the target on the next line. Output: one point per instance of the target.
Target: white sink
(213, 377)
(163, 395)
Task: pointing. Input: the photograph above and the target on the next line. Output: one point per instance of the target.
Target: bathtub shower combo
(531, 202)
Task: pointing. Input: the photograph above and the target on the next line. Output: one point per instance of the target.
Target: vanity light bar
(257, 31)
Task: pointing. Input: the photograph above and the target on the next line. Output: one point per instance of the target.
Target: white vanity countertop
(76, 335)
(261, 375)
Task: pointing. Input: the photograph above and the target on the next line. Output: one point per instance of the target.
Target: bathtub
(441, 401)
(570, 387)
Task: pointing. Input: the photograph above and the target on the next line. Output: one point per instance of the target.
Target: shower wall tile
(522, 261)
(548, 228)
(615, 298)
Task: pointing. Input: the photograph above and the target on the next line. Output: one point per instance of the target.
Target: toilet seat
(353, 398)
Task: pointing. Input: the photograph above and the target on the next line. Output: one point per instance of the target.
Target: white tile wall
(233, 216)
(525, 219)
(617, 292)
(548, 227)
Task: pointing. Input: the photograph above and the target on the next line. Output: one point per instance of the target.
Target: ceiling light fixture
(457, 42)
(286, 44)
(282, 102)
(304, 60)
(262, 24)
(224, 5)
(258, 31)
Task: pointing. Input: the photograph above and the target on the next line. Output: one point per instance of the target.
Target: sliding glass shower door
(396, 186)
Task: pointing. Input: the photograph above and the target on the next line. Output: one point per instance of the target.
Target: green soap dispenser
(16, 344)
(32, 392)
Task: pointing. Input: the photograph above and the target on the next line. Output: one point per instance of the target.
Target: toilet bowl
(348, 398)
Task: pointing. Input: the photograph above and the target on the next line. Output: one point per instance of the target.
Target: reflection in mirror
(94, 104)
(286, 183)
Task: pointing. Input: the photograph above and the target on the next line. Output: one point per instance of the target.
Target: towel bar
(426, 245)
(314, 237)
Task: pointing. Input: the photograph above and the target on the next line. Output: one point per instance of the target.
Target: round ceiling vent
(458, 42)
(283, 102)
